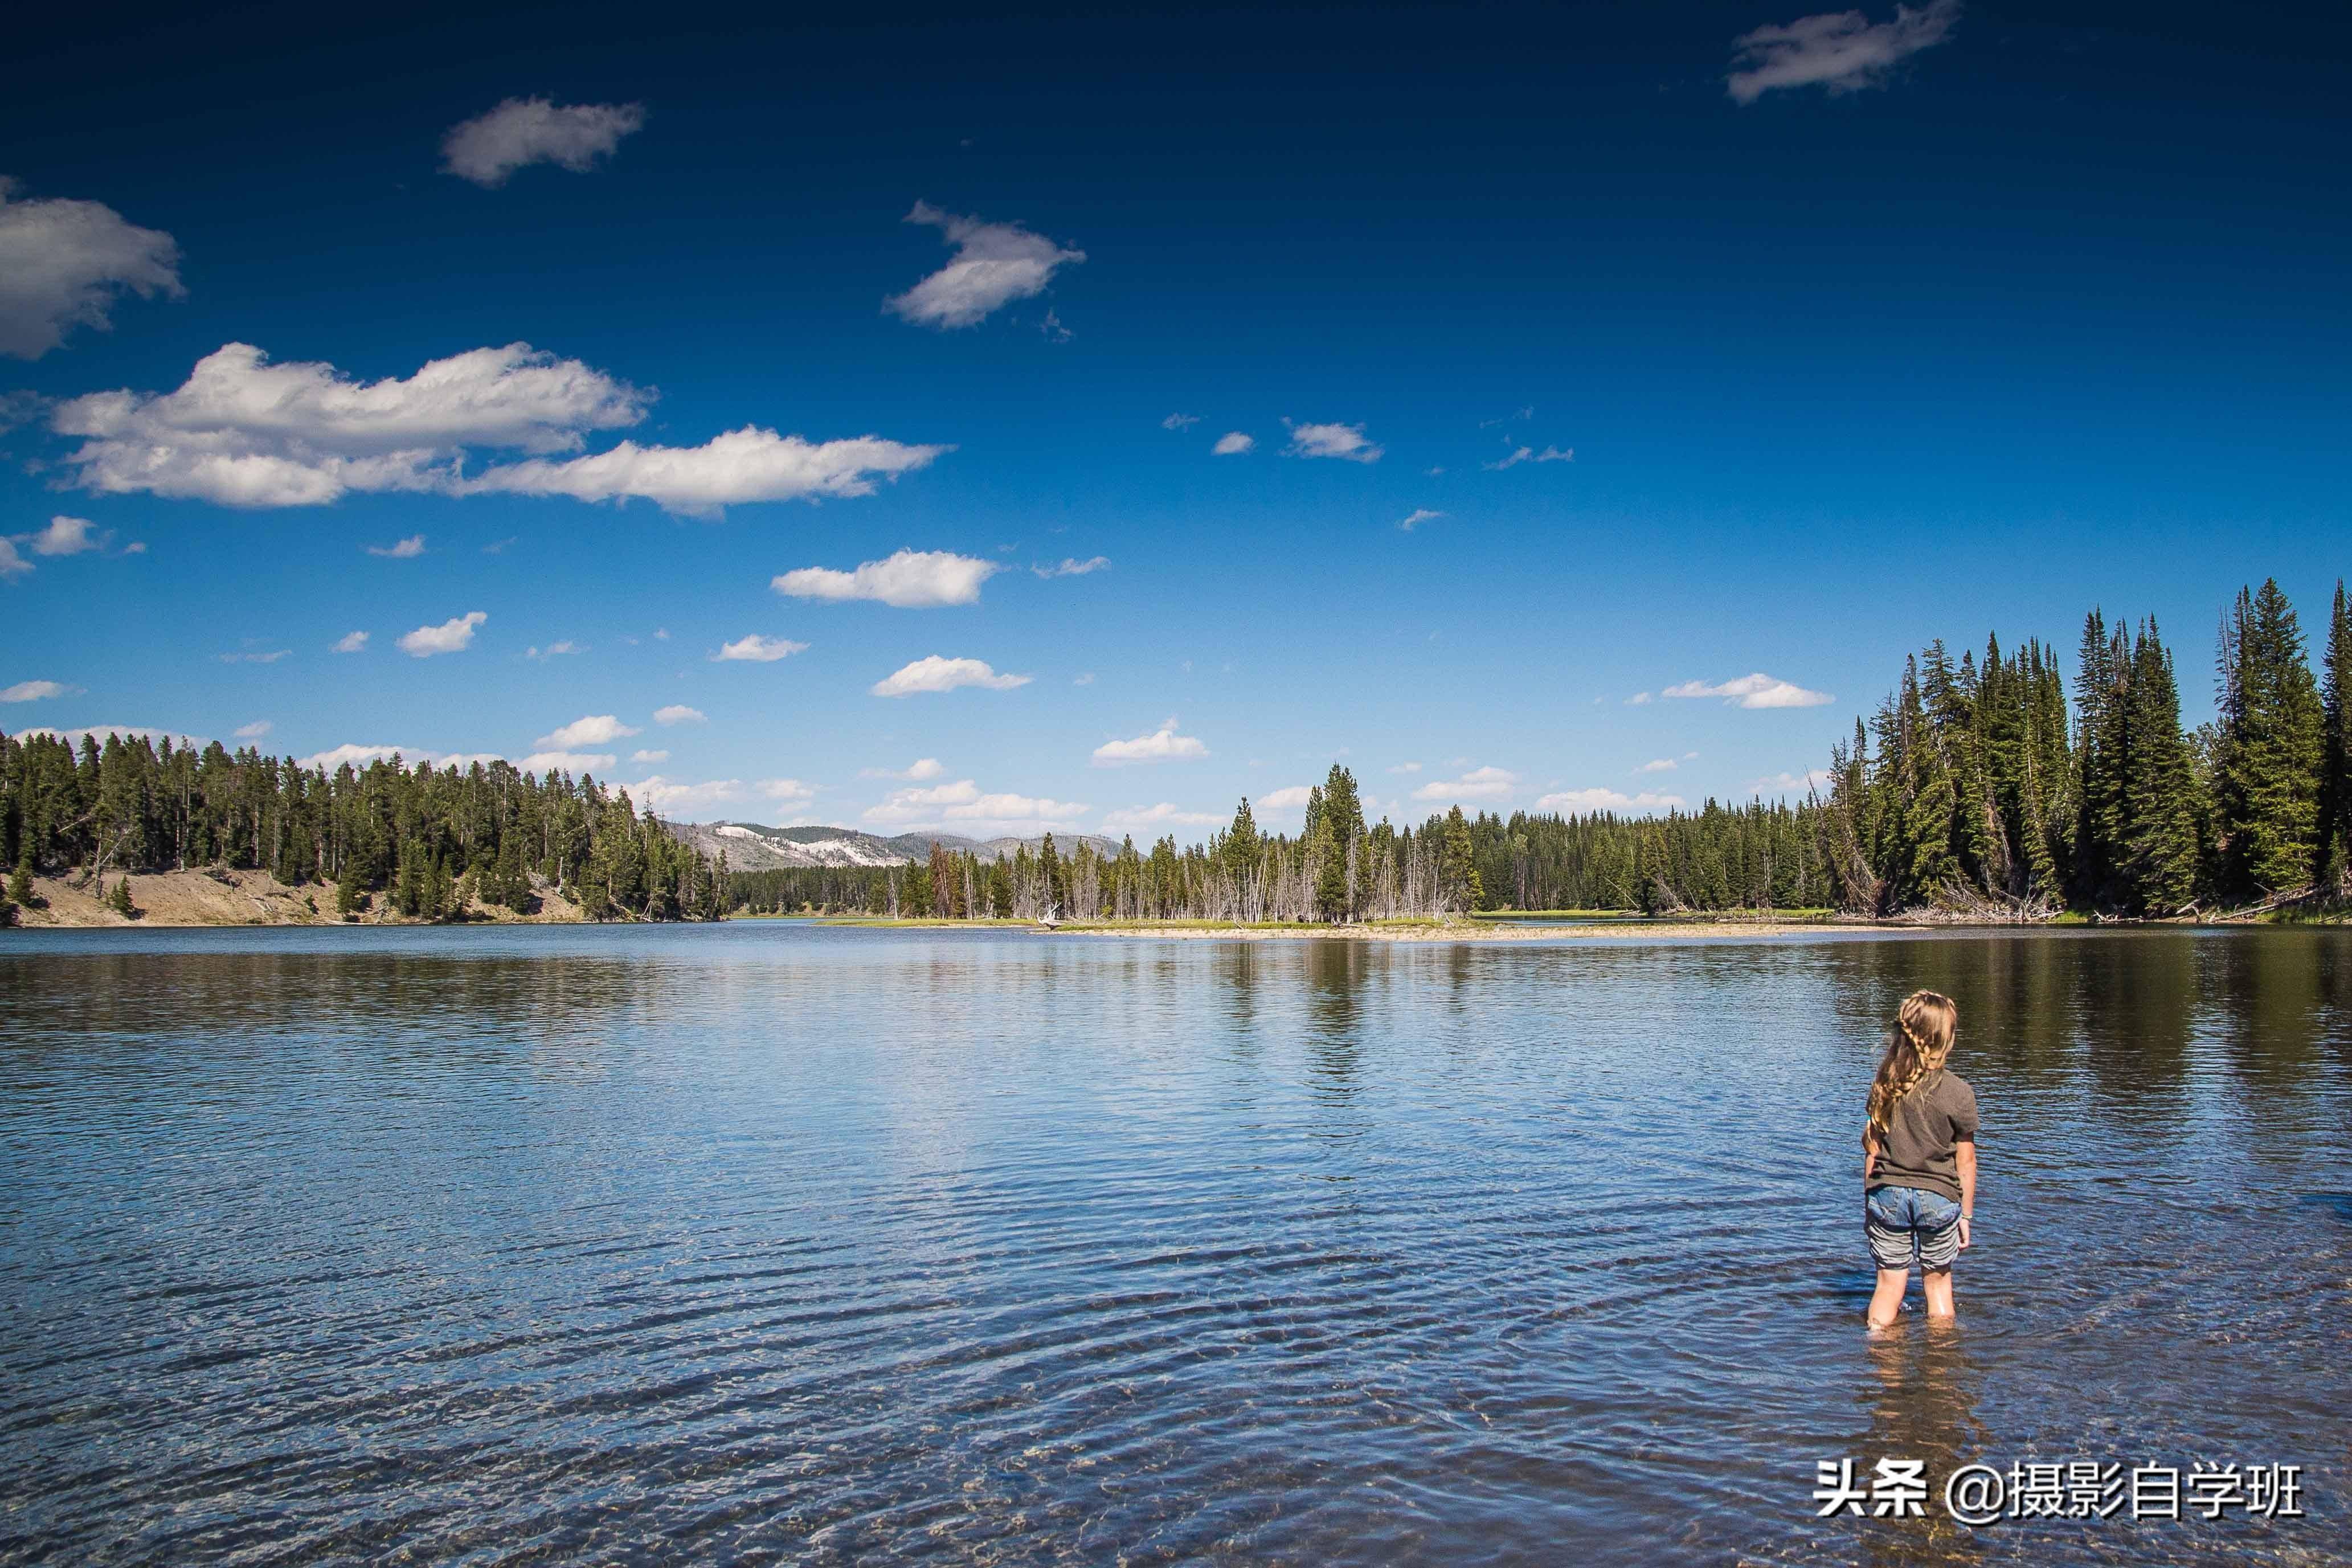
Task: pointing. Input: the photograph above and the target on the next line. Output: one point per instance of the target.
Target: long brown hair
(1915, 1047)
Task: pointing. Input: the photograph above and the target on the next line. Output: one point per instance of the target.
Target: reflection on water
(766, 1242)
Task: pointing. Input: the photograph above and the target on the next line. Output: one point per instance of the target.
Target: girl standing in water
(1918, 1160)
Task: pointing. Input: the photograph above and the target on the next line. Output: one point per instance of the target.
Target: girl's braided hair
(1915, 1047)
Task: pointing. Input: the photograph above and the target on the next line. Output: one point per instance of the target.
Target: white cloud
(100, 732)
(1584, 803)
(1478, 784)
(1292, 797)
(1406, 767)
(252, 731)
(1179, 422)
(963, 807)
(909, 580)
(759, 650)
(595, 729)
(525, 130)
(1658, 764)
(649, 756)
(1233, 444)
(567, 762)
(408, 548)
(922, 767)
(1420, 515)
(1345, 441)
(1840, 51)
(994, 264)
(243, 432)
(1638, 699)
(1085, 679)
(553, 650)
(1790, 783)
(681, 801)
(11, 563)
(271, 657)
(65, 536)
(934, 673)
(1070, 566)
(1162, 745)
(452, 635)
(351, 642)
(64, 263)
(678, 713)
(1529, 454)
(741, 466)
(1165, 814)
(1756, 691)
(34, 690)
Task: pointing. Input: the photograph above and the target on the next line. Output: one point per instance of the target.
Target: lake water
(772, 1243)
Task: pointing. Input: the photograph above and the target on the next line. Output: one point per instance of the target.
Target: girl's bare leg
(1887, 1301)
(1938, 1285)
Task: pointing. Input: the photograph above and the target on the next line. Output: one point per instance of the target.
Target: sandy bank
(221, 897)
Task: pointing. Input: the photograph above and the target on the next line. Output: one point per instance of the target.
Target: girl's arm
(1964, 1155)
(1870, 1156)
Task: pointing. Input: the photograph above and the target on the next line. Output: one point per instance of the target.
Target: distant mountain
(750, 846)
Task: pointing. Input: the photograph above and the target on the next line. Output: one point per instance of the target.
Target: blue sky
(1841, 332)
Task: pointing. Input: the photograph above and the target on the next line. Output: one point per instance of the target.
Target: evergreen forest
(1980, 788)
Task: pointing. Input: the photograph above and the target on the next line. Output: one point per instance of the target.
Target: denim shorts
(1909, 1225)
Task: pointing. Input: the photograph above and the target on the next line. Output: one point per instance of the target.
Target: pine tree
(2332, 859)
(2270, 748)
(20, 886)
(1457, 870)
(117, 899)
(2159, 860)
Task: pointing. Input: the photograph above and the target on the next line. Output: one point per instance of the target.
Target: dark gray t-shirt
(1929, 1123)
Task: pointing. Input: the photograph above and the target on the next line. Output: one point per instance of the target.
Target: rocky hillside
(751, 847)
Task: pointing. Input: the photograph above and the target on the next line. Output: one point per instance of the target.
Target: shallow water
(767, 1243)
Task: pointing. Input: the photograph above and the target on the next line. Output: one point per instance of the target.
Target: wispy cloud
(1478, 784)
(1406, 767)
(553, 650)
(1756, 691)
(1233, 444)
(452, 636)
(252, 731)
(1289, 798)
(1179, 422)
(1529, 454)
(351, 642)
(1839, 51)
(758, 650)
(994, 264)
(1802, 783)
(1658, 764)
(593, 729)
(269, 657)
(1166, 814)
(521, 132)
(63, 264)
(922, 767)
(649, 756)
(1420, 515)
(1162, 745)
(934, 673)
(677, 713)
(408, 548)
(35, 691)
(909, 579)
(1584, 803)
(1071, 567)
(1342, 441)
(965, 808)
